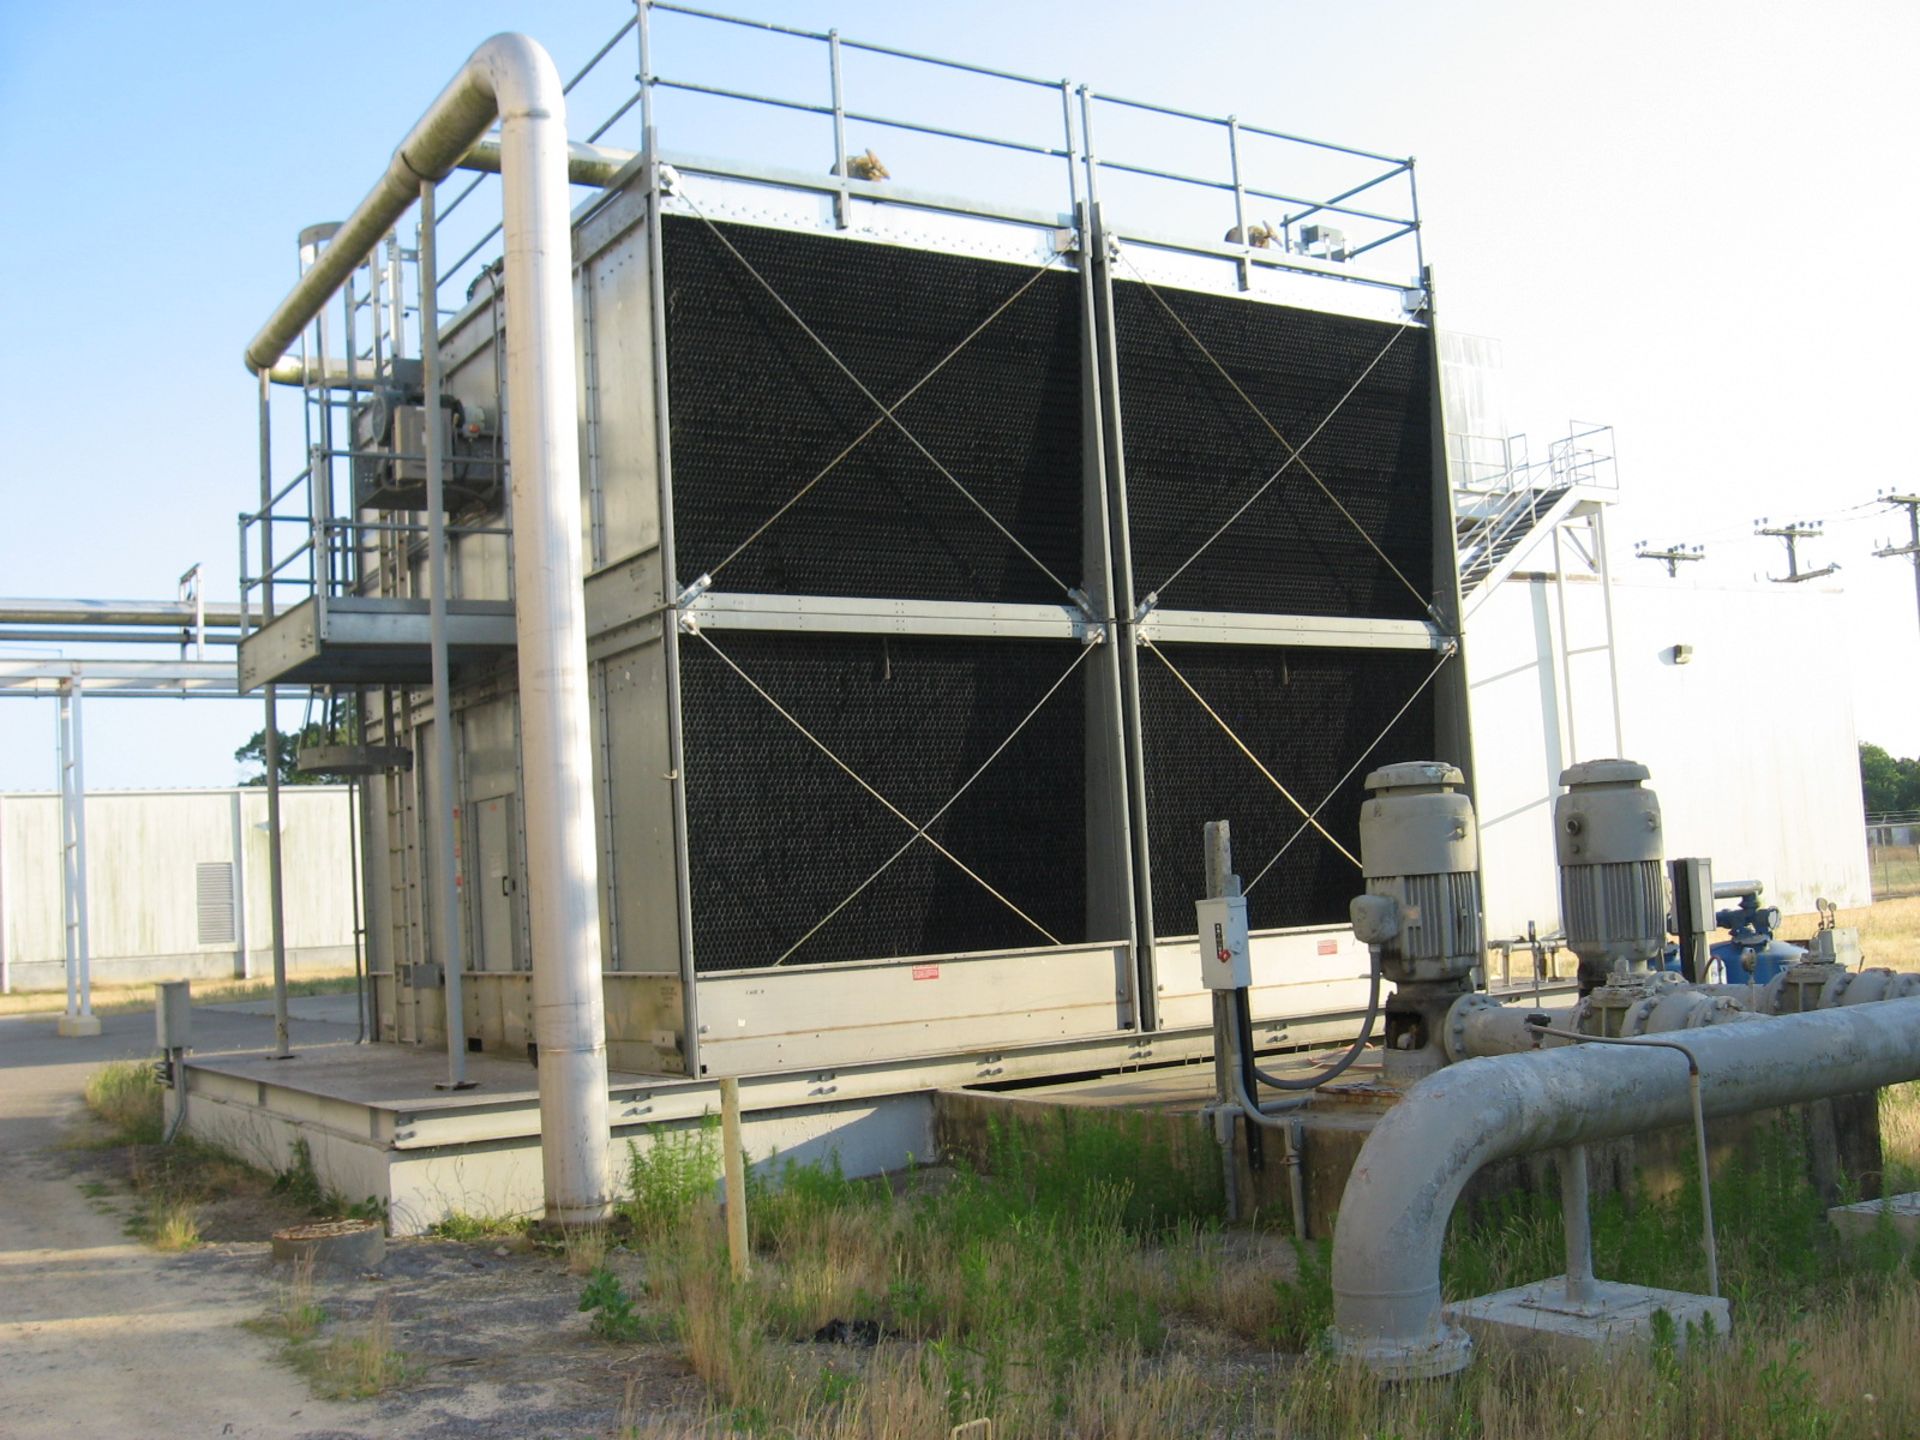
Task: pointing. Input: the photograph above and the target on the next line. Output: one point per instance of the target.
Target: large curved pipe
(1410, 1172)
(513, 78)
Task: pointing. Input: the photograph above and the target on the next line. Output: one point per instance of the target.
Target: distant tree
(1888, 783)
(254, 753)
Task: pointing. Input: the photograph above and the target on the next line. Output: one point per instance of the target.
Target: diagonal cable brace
(919, 830)
(886, 412)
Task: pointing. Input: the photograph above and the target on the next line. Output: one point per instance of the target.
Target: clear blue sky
(1688, 219)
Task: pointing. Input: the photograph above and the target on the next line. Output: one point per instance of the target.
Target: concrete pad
(1854, 1223)
(77, 1027)
(1611, 1318)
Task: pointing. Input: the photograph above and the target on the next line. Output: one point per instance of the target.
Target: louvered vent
(213, 901)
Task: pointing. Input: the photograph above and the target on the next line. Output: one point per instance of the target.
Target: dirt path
(98, 1335)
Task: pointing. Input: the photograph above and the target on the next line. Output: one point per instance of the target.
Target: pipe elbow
(521, 76)
(1393, 1219)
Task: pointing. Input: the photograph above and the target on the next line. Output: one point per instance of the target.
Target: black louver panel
(1195, 452)
(777, 835)
(1308, 715)
(758, 410)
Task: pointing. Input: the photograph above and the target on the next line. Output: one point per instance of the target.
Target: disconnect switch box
(1224, 962)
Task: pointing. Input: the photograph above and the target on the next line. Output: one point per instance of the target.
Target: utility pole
(1912, 547)
(1793, 533)
(1673, 555)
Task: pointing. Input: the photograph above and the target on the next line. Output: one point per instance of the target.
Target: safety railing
(1287, 201)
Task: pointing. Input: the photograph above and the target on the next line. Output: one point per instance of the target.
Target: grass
(177, 1181)
(357, 1363)
(136, 997)
(126, 1095)
(1081, 1292)
(1889, 931)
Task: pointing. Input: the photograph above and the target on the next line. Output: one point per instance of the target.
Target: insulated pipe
(1412, 1169)
(513, 78)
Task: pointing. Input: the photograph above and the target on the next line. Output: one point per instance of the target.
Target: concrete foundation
(77, 1027)
(377, 1130)
(1609, 1319)
(1899, 1213)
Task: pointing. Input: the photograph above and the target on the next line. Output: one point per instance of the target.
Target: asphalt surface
(99, 1335)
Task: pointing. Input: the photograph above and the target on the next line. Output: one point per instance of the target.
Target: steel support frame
(1344, 632)
(79, 1019)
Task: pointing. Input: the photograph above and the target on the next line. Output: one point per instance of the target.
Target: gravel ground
(101, 1336)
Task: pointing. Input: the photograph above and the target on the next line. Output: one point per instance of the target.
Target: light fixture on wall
(1680, 654)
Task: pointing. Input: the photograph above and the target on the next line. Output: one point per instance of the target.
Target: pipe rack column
(1578, 1223)
(276, 895)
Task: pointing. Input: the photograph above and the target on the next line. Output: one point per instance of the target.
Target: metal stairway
(1498, 521)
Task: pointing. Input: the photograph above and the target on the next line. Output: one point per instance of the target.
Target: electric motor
(1613, 897)
(1420, 851)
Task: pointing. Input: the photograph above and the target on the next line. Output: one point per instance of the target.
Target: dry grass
(1889, 931)
(586, 1249)
(133, 998)
(171, 1224)
(296, 1314)
(357, 1363)
(1051, 1314)
(127, 1097)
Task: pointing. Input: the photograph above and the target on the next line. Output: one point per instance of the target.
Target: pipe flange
(1453, 1032)
(1448, 1353)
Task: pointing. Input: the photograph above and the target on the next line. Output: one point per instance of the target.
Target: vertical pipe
(276, 901)
(734, 1167)
(446, 911)
(266, 502)
(1577, 1222)
(354, 807)
(551, 625)
(243, 962)
(1606, 599)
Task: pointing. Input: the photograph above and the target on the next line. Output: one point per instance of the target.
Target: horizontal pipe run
(159, 614)
(1413, 1168)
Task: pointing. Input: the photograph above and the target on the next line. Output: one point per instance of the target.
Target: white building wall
(143, 853)
(1751, 743)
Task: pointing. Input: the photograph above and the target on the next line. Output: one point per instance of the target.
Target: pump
(1420, 851)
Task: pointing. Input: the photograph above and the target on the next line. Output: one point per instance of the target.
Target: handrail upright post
(1244, 264)
(843, 198)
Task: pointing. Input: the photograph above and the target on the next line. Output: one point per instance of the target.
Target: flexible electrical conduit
(1412, 1169)
(512, 78)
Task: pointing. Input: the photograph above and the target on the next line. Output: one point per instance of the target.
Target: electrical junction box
(173, 1015)
(1224, 961)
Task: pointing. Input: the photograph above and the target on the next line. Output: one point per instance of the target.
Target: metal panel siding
(1195, 452)
(777, 835)
(758, 410)
(1308, 715)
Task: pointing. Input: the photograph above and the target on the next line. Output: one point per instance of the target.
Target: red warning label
(1329, 947)
(926, 972)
